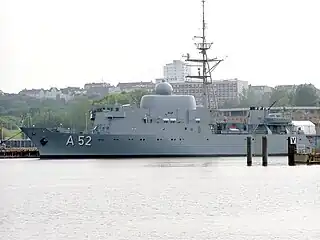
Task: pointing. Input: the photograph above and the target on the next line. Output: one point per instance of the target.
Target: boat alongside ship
(167, 125)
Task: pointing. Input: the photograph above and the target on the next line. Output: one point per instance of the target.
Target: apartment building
(219, 91)
(177, 71)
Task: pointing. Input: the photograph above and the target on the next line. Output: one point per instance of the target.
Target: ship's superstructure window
(166, 120)
(173, 120)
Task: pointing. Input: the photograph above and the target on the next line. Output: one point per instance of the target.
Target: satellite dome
(164, 88)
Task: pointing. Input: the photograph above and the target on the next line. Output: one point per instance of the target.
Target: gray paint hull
(107, 145)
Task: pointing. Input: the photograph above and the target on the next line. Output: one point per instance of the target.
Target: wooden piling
(249, 151)
(264, 151)
(292, 147)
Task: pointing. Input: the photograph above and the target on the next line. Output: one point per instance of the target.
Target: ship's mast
(203, 47)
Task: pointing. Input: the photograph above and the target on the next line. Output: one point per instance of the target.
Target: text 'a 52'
(81, 140)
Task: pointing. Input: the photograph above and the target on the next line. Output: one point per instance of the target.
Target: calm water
(158, 199)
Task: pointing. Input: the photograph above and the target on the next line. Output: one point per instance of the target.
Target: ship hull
(54, 145)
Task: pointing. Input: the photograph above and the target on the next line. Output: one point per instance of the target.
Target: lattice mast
(206, 77)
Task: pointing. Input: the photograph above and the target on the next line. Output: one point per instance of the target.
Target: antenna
(206, 77)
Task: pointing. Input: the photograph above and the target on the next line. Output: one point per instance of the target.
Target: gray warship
(168, 125)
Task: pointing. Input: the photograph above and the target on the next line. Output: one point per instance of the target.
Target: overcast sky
(71, 42)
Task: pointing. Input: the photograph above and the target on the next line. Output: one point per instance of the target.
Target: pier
(308, 159)
(295, 156)
(28, 152)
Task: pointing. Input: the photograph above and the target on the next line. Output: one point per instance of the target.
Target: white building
(52, 93)
(177, 71)
(307, 127)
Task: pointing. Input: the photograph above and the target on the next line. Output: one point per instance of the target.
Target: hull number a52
(81, 141)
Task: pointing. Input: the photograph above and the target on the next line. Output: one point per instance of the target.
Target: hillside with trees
(16, 110)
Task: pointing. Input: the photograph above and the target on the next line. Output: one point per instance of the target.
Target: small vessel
(167, 125)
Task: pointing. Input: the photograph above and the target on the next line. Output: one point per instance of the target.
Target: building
(89, 86)
(34, 93)
(189, 88)
(97, 90)
(177, 71)
(261, 92)
(228, 90)
(219, 91)
(53, 93)
(261, 89)
(286, 87)
(159, 80)
(131, 86)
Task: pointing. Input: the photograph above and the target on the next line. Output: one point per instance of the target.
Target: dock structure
(296, 154)
(308, 159)
(29, 152)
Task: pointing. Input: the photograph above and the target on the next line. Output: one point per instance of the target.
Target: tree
(305, 95)
(282, 96)
(136, 96)
(133, 97)
(247, 98)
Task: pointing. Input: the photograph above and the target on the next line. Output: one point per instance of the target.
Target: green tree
(133, 97)
(136, 96)
(282, 96)
(248, 98)
(305, 95)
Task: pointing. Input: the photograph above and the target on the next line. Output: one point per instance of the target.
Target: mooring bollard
(292, 141)
(249, 151)
(264, 151)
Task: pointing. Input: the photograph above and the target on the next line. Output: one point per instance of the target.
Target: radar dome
(164, 88)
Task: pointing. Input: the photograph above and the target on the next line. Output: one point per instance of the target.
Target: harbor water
(205, 198)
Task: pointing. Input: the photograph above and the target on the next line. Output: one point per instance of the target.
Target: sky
(64, 43)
